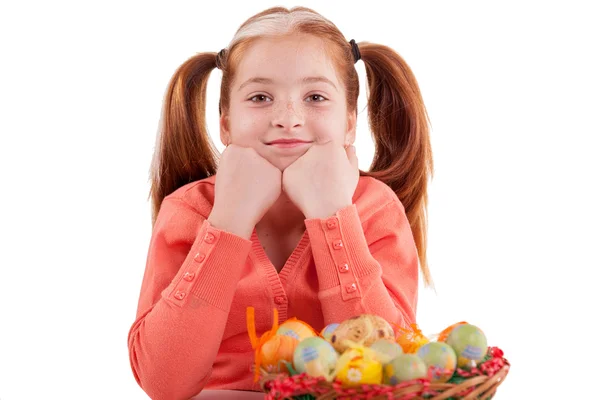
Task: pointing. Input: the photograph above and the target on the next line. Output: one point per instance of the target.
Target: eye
(317, 96)
(258, 95)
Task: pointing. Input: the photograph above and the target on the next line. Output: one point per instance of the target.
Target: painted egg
(276, 349)
(441, 358)
(327, 332)
(363, 330)
(297, 329)
(469, 343)
(405, 367)
(358, 366)
(316, 357)
(444, 334)
(386, 350)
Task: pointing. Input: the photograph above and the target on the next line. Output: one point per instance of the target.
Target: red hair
(397, 116)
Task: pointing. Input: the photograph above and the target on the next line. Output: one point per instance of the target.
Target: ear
(224, 129)
(350, 136)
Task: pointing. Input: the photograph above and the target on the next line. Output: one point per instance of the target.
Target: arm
(190, 278)
(382, 264)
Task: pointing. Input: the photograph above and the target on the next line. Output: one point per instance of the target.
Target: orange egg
(276, 349)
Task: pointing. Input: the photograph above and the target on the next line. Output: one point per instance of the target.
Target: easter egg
(411, 338)
(441, 358)
(444, 334)
(316, 357)
(295, 328)
(469, 343)
(277, 348)
(405, 367)
(358, 366)
(327, 332)
(386, 350)
(363, 330)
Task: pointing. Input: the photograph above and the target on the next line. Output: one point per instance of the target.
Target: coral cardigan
(190, 330)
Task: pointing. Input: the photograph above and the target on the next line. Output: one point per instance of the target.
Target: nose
(287, 116)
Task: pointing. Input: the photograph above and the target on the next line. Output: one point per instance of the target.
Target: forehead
(286, 58)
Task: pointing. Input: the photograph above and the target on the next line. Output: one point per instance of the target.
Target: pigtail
(399, 122)
(184, 151)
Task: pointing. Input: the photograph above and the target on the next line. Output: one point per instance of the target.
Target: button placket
(183, 287)
(349, 286)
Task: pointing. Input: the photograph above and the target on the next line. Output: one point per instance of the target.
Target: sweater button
(344, 267)
(179, 295)
(279, 300)
(338, 244)
(199, 257)
(189, 276)
(351, 288)
(332, 223)
(209, 238)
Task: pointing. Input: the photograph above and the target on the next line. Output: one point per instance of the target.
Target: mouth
(287, 143)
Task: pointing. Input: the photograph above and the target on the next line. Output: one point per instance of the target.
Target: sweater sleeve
(189, 282)
(370, 269)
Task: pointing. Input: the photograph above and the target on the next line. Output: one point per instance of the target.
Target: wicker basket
(479, 383)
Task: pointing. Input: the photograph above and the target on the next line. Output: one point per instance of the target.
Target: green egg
(405, 367)
(315, 356)
(441, 357)
(386, 350)
(469, 343)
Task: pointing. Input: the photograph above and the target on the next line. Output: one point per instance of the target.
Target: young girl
(288, 221)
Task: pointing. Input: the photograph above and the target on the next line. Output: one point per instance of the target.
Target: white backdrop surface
(512, 92)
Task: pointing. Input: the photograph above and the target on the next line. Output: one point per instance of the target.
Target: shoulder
(372, 195)
(198, 195)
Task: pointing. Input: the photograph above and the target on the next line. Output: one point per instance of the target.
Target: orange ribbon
(258, 343)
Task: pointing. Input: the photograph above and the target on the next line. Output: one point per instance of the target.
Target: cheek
(327, 126)
(248, 125)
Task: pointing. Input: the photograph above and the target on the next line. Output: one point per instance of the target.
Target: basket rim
(477, 386)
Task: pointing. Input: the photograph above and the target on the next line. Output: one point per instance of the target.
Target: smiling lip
(285, 143)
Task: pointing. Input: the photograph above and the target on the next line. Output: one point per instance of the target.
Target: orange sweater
(190, 330)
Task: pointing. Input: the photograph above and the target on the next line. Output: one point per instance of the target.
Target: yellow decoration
(410, 339)
(358, 365)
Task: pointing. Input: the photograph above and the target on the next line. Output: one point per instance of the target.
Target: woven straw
(478, 387)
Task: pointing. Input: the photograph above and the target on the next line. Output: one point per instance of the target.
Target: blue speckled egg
(327, 332)
(316, 357)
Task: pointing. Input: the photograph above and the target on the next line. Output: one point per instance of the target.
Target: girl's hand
(323, 180)
(246, 187)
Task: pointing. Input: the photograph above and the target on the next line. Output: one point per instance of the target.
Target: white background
(512, 93)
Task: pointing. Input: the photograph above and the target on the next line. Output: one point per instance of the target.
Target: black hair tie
(355, 51)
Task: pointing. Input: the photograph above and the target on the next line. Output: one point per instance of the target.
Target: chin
(282, 164)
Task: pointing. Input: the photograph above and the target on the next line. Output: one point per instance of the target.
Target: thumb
(351, 153)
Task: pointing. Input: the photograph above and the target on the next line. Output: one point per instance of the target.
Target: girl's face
(286, 88)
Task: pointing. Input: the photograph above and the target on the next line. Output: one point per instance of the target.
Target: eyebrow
(308, 79)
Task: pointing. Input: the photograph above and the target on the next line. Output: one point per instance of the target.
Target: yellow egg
(297, 329)
(358, 366)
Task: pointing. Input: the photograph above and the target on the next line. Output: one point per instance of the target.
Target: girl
(288, 221)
